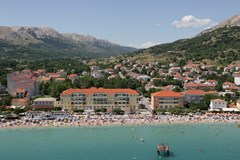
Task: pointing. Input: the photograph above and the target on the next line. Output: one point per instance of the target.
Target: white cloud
(191, 21)
(144, 45)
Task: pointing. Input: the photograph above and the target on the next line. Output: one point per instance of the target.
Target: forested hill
(220, 45)
(31, 43)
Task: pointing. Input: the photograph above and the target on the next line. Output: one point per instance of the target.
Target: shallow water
(186, 142)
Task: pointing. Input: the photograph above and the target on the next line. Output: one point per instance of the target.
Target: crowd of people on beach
(97, 120)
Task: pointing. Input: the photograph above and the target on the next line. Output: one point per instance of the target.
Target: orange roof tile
(45, 78)
(232, 106)
(72, 75)
(211, 80)
(187, 78)
(233, 88)
(211, 92)
(99, 90)
(191, 84)
(14, 100)
(195, 92)
(167, 93)
(218, 100)
(228, 83)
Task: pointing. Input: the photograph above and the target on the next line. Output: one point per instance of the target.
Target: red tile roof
(72, 75)
(218, 100)
(45, 79)
(233, 88)
(195, 92)
(211, 92)
(228, 83)
(232, 106)
(167, 93)
(23, 100)
(99, 90)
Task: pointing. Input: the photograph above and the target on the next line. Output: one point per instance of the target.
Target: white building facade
(237, 80)
(218, 104)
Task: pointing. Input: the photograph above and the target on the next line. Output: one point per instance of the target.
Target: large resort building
(166, 99)
(97, 98)
(194, 96)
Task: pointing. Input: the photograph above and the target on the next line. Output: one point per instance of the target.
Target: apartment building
(97, 98)
(194, 96)
(166, 99)
(217, 104)
(47, 103)
(21, 102)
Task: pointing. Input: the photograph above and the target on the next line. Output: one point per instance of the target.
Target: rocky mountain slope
(219, 45)
(36, 42)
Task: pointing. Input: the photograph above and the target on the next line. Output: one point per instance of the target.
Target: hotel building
(194, 96)
(47, 103)
(166, 99)
(97, 98)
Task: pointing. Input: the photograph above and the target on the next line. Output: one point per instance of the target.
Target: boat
(163, 150)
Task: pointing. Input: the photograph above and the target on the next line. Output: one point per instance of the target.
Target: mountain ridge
(230, 22)
(47, 39)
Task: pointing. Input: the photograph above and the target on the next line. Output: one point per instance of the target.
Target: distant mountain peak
(86, 38)
(46, 39)
(37, 32)
(230, 22)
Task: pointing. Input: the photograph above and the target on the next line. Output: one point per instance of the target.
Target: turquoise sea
(186, 142)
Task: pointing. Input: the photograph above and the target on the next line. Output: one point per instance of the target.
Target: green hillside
(33, 43)
(219, 46)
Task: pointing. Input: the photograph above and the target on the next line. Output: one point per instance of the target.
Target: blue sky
(139, 23)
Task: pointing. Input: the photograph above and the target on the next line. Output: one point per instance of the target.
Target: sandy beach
(98, 120)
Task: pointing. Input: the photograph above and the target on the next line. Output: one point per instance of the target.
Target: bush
(103, 110)
(57, 108)
(78, 110)
(118, 111)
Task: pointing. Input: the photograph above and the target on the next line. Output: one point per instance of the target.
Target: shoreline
(136, 121)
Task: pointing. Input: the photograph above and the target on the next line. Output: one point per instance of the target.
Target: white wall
(218, 105)
(237, 80)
